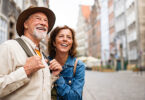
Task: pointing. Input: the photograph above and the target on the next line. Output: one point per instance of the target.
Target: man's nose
(44, 23)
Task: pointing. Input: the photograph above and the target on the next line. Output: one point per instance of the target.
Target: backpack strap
(75, 66)
(24, 46)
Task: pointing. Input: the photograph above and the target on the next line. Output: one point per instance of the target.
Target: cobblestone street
(122, 85)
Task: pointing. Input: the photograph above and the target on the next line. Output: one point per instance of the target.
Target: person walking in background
(23, 77)
(62, 48)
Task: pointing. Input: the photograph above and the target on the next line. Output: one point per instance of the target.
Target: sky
(66, 11)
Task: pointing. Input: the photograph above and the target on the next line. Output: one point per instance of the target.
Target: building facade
(8, 15)
(131, 27)
(111, 18)
(105, 45)
(140, 20)
(94, 32)
(88, 32)
(82, 28)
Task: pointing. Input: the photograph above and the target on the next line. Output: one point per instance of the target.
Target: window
(3, 28)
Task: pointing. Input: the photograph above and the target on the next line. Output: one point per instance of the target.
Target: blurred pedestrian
(22, 77)
(62, 48)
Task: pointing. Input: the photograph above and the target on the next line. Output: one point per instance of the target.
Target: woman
(62, 48)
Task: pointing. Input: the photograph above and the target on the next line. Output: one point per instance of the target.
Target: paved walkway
(122, 85)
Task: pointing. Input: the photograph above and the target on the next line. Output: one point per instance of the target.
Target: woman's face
(63, 41)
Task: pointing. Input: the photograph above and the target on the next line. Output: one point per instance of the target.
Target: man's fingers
(41, 66)
(33, 64)
(46, 60)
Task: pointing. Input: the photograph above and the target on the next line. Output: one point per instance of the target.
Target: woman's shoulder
(80, 62)
(80, 70)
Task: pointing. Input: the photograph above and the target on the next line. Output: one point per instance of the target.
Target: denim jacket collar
(70, 61)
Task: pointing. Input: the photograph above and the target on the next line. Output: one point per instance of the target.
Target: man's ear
(25, 25)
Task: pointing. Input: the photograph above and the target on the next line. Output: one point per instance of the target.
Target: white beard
(39, 35)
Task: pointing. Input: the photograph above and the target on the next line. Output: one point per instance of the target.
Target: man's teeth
(64, 45)
(41, 28)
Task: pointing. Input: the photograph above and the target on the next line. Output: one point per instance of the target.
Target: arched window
(3, 28)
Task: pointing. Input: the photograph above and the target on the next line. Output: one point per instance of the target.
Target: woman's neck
(61, 58)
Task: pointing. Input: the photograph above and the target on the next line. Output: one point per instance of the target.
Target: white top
(14, 83)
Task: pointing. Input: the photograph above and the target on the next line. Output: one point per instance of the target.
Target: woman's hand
(55, 67)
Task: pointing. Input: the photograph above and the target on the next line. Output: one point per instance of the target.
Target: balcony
(128, 3)
(131, 18)
(133, 54)
(132, 36)
(120, 24)
(119, 11)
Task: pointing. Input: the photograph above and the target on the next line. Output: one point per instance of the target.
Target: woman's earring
(26, 27)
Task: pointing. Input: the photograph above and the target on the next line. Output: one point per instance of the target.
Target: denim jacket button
(69, 82)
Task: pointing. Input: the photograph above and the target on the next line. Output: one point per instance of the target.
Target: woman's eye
(46, 20)
(60, 36)
(37, 18)
(69, 37)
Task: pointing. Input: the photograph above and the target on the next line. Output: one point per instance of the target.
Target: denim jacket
(70, 87)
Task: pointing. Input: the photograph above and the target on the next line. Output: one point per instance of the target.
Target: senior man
(23, 77)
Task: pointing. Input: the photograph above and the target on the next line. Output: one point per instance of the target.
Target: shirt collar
(29, 41)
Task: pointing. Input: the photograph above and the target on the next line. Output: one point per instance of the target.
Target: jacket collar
(70, 61)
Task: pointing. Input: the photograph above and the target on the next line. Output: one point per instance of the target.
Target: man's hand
(55, 67)
(33, 64)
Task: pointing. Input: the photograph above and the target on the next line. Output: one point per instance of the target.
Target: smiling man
(22, 77)
(36, 27)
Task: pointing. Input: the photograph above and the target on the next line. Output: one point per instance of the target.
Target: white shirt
(14, 83)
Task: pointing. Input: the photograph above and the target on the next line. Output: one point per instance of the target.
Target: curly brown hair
(53, 34)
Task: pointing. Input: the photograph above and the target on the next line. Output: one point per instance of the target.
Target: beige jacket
(14, 83)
